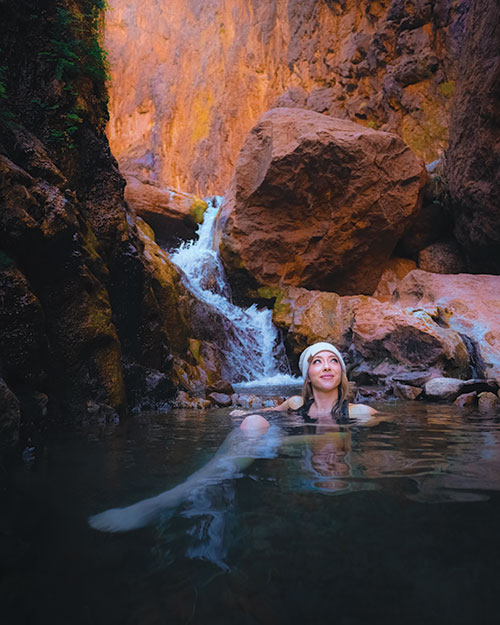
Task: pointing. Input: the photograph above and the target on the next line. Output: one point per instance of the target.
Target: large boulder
(468, 304)
(317, 202)
(473, 158)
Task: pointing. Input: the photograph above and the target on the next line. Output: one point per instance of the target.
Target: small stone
(405, 391)
(413, 378)
(488, 402)
(184, 400)
(446, 389)
(220, 399)
(221, 386)
(466, 400)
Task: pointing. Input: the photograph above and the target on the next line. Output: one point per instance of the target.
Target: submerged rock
(488, 402)
(317, 202)
(466, 400)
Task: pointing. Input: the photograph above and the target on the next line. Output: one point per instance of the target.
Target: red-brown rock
(317, 202)
(466, 400)
(473, 158)
(220, 399)
(190, 79)
(395, 270)
(442, 257)
(173, 215)
(369, 331)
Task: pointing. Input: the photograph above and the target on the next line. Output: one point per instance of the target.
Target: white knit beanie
(312, 350)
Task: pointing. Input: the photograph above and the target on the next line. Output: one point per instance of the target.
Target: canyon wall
(94, 319)
(189, 79)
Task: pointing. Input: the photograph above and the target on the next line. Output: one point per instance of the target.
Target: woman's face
(325, 371)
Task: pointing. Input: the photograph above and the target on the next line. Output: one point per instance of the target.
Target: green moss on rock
(197, 210)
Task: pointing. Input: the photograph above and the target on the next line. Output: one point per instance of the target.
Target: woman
(325, 389)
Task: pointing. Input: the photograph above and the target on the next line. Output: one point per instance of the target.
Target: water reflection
(437, 457)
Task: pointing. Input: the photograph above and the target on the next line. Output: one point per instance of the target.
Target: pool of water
(395, 523)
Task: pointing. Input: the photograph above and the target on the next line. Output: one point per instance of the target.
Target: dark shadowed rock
(442, 257)
(173, 215)
(473, 158)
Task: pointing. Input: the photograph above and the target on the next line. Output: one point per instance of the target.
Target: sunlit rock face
(189, 78)
(316, 202)
(437, 324)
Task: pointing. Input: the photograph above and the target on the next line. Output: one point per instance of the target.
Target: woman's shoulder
(295, 402)
(361, 409)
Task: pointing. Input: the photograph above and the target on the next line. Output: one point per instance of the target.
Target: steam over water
(250, 343)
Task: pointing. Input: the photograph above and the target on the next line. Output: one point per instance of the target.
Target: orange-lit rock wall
(190, 78)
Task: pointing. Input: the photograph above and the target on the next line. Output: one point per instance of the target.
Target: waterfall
(250, 342)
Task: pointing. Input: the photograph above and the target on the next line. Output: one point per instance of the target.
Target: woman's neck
(324, 402)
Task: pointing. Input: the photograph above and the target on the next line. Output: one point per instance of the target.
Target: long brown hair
(341, 408)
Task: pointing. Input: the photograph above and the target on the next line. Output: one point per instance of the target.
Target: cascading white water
(250, 344)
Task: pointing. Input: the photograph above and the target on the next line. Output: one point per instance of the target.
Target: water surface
(392, 523)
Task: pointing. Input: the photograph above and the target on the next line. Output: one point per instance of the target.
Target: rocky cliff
(473, 159)
(190, 79)
(93, 316)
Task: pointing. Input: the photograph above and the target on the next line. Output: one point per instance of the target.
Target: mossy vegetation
(76, 57)
(197, 210)
(447, 88)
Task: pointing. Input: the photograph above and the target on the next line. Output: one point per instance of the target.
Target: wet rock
(473, 157)
(405, 391)
(221, 386)
(488, 402)
(173, 215)
(282, 223)
(467, 304)
(220, 399)
(442, 257)
(184, 400)
(372, 393)
(148, 389)
(414, 378)
(466, 400)
(446, 389)
(101, 413)
(246, 401)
